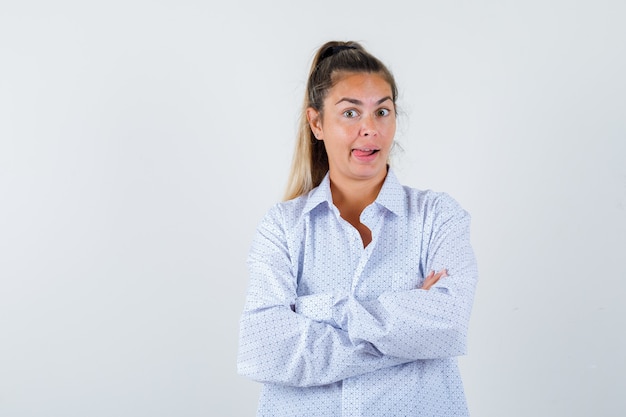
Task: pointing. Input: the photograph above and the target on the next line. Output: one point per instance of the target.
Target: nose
(368, 126)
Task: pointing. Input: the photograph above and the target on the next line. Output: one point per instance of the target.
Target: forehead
(359, 85)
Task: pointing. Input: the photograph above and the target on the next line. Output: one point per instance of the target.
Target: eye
(350, 114)
(383, 112)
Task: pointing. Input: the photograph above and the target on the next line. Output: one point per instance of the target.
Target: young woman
(360, 288)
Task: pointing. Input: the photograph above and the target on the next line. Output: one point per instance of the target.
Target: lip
(365, 154)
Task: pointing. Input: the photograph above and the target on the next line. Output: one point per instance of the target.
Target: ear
(315, 122)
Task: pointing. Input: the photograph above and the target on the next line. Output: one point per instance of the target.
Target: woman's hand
(432, 278)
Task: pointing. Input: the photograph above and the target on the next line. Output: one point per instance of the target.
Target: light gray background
(141, 143)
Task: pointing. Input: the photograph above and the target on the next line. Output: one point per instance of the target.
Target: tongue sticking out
(364, 152)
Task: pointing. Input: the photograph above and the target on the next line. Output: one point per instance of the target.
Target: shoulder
(437, 214)
(403, 199)
(289, 213)
(434, 210)
(431, 201)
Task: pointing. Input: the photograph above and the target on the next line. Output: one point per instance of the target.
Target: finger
(427, 284)
(441, 274)
(433, 278)
(429, 281)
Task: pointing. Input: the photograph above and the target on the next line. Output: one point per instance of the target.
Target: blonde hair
(310, 161)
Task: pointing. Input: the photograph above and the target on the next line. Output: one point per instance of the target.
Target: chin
(371, 172)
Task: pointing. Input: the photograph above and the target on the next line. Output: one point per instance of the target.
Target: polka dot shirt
(335, 329)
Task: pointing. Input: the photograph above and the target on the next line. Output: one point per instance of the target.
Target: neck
(352, 196)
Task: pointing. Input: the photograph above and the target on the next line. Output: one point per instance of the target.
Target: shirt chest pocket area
(372, 287)
(404, 281)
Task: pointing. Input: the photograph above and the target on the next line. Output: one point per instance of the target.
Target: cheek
(342, 135)
(389, 129)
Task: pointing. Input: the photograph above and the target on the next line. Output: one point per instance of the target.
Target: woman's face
(357, 125)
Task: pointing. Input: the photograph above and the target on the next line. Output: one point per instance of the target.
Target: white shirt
(335, 329)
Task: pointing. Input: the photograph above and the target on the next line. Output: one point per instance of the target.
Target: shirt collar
(391, 195)
(319, 194)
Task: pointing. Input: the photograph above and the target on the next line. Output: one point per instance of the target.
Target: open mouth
(364, 152)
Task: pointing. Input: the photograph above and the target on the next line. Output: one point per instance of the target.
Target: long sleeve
(282, 346)
(333, 328)
(419, 324)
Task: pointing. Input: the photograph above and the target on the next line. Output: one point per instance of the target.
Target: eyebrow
(360, 103)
